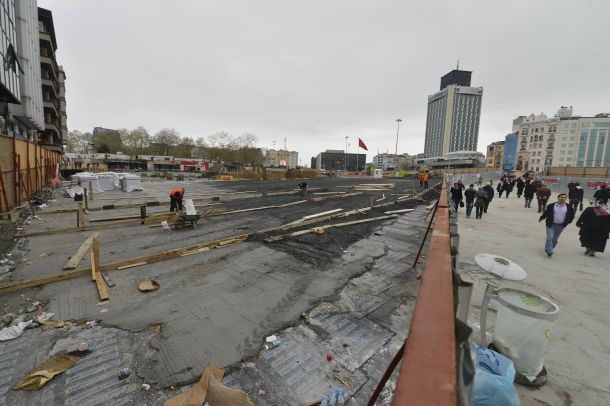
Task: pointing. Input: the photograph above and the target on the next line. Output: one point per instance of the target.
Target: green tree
(78, 142)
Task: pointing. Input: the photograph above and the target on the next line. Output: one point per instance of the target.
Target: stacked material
(83, 178)
(105, 181)
(130, 182)
(374, 186)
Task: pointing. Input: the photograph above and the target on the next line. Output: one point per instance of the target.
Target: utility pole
(345, 155)
(398, 120)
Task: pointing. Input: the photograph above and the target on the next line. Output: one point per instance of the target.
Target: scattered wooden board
(398, 211)
(156, 257)
(131, 265)
(80, 253)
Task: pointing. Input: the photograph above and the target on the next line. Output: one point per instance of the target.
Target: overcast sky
(315, 71)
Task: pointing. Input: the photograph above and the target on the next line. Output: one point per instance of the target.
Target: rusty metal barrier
(428, 373)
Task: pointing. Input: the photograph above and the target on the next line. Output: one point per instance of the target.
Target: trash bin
(523, 328)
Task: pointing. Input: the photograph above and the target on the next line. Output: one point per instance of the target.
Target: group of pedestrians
(478, 198)
(593, 222)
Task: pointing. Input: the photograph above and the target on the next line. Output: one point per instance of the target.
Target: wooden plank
(252, 209)
(80, 253)
(349, 223)
(398, 211)
(95, 257)
(81, 215)
(319, 199)
(293, 203)
(324, 213)
(132, 265)
(29, 283)
(159, 256)
(102, 289)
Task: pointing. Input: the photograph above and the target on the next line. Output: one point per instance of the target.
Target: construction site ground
(355, 283)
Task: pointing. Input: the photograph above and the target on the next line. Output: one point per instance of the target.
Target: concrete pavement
(578, 353)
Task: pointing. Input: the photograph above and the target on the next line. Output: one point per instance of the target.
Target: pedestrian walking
(576, 195)
(456, 196)
(603, 193)
(520, 187)
(426, 178)
(482, 201)
(499, 189)
(528, 193)
(490, 195)
(470, 195)
(594, 224)
(542, 194)
(557, 215)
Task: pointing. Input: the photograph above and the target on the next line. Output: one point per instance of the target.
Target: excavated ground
(217, 306)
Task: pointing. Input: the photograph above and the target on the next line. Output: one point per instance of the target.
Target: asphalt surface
(216, 307)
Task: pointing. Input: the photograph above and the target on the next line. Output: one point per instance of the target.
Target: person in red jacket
(176, 196)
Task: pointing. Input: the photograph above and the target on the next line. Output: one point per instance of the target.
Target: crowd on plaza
(593, 222)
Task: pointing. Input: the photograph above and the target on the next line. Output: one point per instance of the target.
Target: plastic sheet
(493, 380)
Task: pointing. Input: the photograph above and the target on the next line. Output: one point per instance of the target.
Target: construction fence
(25, 168)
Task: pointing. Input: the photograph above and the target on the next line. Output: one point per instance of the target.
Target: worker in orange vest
(176, 196)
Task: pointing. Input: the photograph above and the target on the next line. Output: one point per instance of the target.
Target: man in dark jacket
(528, 193)
(470, 194)
(558, 215)
(456, 196)
(490, 195)
(520, 187)
(603, 194)
(575, 195)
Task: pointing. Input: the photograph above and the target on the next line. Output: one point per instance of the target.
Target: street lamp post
(345, 157)
(398, 120)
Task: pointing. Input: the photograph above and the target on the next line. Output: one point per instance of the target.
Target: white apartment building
(583, 141)
(389, 161)
(536, 142)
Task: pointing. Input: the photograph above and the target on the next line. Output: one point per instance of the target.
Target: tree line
(220, 146)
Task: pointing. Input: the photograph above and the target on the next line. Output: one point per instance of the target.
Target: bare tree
(166, 138)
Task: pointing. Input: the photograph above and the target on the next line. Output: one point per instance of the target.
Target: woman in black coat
(520, 187)
(528, 193)
(594, 225)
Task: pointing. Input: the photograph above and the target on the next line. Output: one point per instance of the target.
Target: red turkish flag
(362, 145)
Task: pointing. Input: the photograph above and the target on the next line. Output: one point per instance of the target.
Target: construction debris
(148, 285)
(374, 186)
(45, 372)
(210, 389)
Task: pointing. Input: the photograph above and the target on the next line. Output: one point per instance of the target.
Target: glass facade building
(9, 74)
(511, 142)
(583, 142)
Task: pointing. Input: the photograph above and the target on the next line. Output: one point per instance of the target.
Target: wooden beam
(156, 257)
(131, 266)
(398, 211)
(319, 199)
(102, 289)
(95, 258)
(252, 209)
(349, 223)
(80, 253)
(324, 213)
